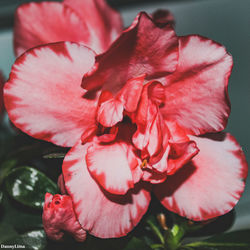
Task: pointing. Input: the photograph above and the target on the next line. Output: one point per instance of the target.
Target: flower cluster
(142, 110)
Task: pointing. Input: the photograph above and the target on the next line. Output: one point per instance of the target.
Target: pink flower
(1, 94)
(91, 22)
(141, 117)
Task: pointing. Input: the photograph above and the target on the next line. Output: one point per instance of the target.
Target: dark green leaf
(31, 240)
(242, 236)
(7, 231)
(1, 196)
(28, 186)
(54, 156)
(20, 218)
(5, 168)
(229, 241)
(136, 244)
(155, 229)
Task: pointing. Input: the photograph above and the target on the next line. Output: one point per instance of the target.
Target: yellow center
(144, 164)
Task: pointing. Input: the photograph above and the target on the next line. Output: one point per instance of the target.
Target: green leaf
(136, 244)
(6, 167)
(156, 230)
(33, 240)
(28, 186)
(228, 241)
(1, 196)
(241, 236)
(54, 156)
(7, 231)
(20, 218)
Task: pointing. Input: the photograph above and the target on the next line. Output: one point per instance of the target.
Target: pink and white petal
(59, 217)
(178, 134)
(1, 94)
(162, 165)
(103, 23)
(43, 96)
(47, 22)
(154, 177)
(146, 114)
(199, 86)
(181, 154)
(144, 48)
(110, 112)
(211, 184)
(158, 139)
(103, 214)
(61, 184)
(156, 92)
(109, 166)
(140, 139)
(130, 94)
(109, 137)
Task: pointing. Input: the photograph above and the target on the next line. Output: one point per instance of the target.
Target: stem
(173, 237)
(153, 246)
(156, 231)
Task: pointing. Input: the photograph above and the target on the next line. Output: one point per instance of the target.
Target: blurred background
(225, 21)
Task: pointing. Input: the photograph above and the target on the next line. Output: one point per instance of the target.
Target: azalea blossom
(1, 94)
(144, 116)
(91, 22)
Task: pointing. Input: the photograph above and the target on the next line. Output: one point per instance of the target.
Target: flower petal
(43, 96)
(199, 86)
(110, 111)
(59, 217)
(47, 22)
(109, 166)
(180, 154)
(103, 214)
(144, 48)
(61, 184)
(151, 129)
(211, 184)
(1, 94)
(130, 94)
(111, 107)
(103, 23)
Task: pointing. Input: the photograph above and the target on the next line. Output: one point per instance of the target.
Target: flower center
(144, 164)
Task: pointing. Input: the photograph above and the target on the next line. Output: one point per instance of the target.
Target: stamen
(144, 164)
(162, 221)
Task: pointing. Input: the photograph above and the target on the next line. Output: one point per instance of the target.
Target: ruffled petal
(61, 184)
(196, 93)
(211, 184)
(43, 96)
(130, 94)
(109, 166)
(103, 23)
(59, 217)
(111, 107)
(180, 154)
(1, 94)
(110, 111)
(151, 132)
(103, 214)
(47, 22)
(144, 48)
